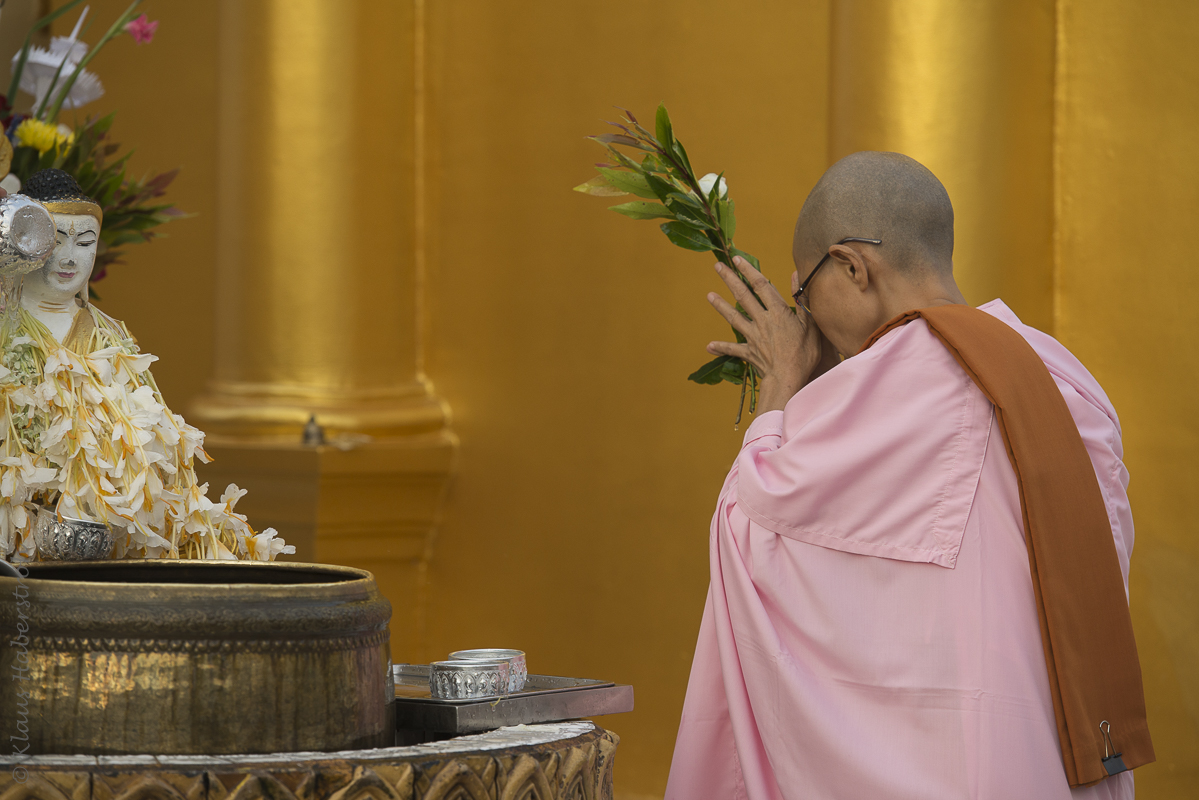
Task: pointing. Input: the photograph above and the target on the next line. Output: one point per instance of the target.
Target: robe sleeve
(880, 456)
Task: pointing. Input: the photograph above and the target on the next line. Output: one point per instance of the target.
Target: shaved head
(885, 196)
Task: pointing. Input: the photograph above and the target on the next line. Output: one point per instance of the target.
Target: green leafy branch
(699, 220)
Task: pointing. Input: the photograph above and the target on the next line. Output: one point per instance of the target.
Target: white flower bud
(708, 181)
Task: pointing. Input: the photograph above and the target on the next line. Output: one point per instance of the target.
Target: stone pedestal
(561, 761)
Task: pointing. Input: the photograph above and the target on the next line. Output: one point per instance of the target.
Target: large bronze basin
(194, 657)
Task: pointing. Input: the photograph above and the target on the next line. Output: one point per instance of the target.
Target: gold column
(967, 90)
(1128, 171)
(317, 300)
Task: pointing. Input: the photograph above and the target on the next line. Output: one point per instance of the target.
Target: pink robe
(870, 630)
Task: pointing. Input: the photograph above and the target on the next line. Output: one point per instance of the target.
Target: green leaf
(712, 373)
(653, 163)
(748, 258)
(618, 138)
(689, 214)
(629, 182)
(733, 371)
(681, 155)
(662, 189)
(725, 215)
(639, 209)
(103, 124)
(687, 237)
(624, 160)
(686, 199)
(687, 208)
(599, 187)
(662, 125)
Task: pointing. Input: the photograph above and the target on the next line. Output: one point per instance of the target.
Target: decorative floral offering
(57, 79)
(94, 431)
(84, 429)
(700, 213)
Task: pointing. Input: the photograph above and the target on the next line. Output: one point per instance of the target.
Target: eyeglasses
(800, 291)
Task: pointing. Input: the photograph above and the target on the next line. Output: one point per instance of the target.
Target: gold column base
(277, 412)
(374, 505)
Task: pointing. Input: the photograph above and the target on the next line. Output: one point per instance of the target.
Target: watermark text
(20, 677)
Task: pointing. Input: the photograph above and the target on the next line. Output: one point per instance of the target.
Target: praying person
(919, 559)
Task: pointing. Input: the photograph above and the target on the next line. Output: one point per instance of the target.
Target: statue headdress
(60, 194)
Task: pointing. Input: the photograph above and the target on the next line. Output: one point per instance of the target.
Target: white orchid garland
(92, 435)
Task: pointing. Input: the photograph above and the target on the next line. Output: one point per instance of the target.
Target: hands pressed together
(785, 347)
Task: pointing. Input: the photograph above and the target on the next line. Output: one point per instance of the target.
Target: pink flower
(141, 29)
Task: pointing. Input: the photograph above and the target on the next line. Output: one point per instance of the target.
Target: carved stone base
(563, 761)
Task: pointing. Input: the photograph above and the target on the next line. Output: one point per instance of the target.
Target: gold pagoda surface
(561, 761)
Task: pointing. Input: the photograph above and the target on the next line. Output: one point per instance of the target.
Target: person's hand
(784, 347)
(828, 354)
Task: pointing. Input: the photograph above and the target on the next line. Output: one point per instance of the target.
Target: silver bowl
(462, 680)
(518, 671)
(27, 235)
(27, 238)
(70, 539)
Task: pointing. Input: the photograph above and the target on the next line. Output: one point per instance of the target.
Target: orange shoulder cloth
(1086, 630)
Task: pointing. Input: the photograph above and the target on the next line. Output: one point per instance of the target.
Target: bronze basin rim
(199, 563)
(156, 610)
(354, 583)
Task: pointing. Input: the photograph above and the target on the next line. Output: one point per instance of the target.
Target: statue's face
(70, 266)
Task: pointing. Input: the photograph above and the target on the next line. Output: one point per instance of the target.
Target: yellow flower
(42, 135)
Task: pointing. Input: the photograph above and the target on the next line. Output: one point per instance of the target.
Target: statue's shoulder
(113, 330)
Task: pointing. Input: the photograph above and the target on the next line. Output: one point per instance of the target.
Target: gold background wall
(1127, 292)
(560, 334)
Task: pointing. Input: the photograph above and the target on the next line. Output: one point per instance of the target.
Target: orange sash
(1086, 629)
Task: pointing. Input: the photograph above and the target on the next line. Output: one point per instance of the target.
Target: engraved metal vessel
(69, 539)
(518, 671)
(462, 680)
(195, 657)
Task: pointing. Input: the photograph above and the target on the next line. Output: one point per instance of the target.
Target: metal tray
(545, 698)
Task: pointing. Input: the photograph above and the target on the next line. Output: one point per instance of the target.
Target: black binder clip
(1113, 763)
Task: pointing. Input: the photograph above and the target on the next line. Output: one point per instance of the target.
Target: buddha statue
(85, 430)
(56, 294)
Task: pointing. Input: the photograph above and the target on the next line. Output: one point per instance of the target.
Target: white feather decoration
(38, 77)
